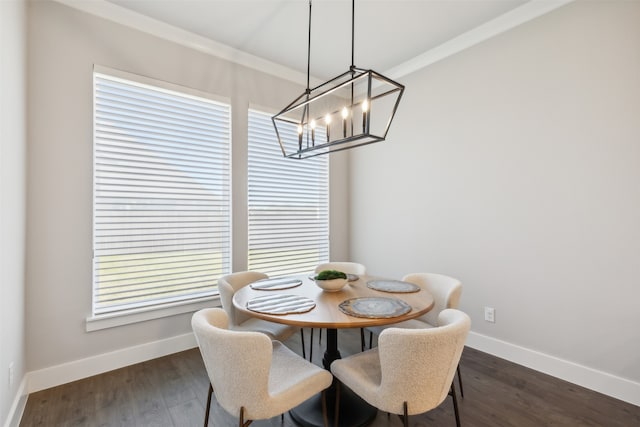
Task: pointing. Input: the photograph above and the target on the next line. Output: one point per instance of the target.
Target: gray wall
(13, 146)
(63, 46)
(515, 166)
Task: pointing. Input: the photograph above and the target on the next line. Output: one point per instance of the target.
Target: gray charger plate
(374, 307)
(397, 286)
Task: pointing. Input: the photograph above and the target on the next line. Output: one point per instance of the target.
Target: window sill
(96, 323)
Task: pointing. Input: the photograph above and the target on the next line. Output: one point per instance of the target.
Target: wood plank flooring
(171, 391)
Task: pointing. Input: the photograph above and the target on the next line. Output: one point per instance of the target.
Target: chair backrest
(418, 365)
(345, 267)
(237, 363)
(228, 285)
(445, 290)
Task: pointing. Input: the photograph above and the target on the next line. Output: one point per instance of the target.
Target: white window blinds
(288, 203)
(161, 232)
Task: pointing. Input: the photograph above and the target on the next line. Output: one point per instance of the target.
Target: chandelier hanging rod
(309, 52)
(353, 32)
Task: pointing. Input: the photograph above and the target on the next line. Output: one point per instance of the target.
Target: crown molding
(135, 20)
(129, 18)
(501, 24)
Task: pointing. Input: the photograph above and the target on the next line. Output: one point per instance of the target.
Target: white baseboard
(83, 368)
(602, 382)
(17, 408)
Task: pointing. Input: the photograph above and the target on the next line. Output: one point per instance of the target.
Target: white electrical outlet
(10, 374)
(490, 314)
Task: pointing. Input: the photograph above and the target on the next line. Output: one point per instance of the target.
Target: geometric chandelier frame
(353, 109)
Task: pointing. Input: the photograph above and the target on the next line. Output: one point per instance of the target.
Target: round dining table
(329, 311)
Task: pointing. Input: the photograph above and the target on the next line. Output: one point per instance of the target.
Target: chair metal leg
(370, 339)
(452, 392)
(325, 418)
(361, 339)
(311, 345)
(206, 413)
(242, 422)
(337, 405)
(304, 355)
(406, 415)
(460, 380)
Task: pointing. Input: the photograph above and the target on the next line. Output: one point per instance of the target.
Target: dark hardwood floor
(171, 391)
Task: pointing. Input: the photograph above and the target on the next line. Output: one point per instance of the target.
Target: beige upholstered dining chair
(411, 371)
(446, 293)
(254, 378)
(347, 268)
(227, 286)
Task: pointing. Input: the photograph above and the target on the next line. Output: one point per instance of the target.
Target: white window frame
(183, 304)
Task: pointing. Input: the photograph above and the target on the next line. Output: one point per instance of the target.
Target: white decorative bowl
(333, 285)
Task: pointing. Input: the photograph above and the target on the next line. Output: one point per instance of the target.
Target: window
(161, 215)
(288, 203)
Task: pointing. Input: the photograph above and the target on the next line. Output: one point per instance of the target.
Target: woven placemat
(281, 304)
(396, 286)
(374, 307)
(276, 284)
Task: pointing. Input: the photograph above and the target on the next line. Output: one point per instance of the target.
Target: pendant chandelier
(353, 109)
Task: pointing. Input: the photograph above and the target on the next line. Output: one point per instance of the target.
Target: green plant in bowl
(331, 280)
(330, 275)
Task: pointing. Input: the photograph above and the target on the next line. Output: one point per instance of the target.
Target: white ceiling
(388, 33)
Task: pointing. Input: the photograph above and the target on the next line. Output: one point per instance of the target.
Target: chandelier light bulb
(327, 120)
(345, 114)
(365, 114)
